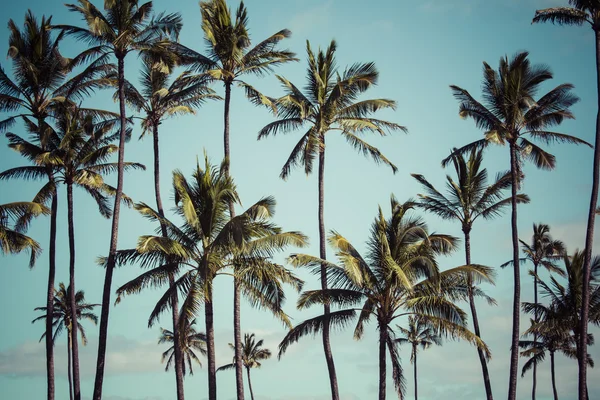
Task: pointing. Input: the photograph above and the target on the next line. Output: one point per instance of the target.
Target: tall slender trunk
(415, 371)
(114, 234)
(482, 360)
(535, 318)
(210, 349)
(589, 239)
(250, 384)
(72, 291)
(50, 297)
(382, 362)
(174, 300)
(69, 367)
(323, 254)
(553, 375)
(514, 350)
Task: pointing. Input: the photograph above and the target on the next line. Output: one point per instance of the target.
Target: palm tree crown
(13, 241)
(191, 340)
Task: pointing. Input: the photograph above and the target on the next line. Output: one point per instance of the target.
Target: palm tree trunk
(514, 350)
(415, 373)
(174, 300)
(50, 297)
(114, 234)
(589, 240)
(535, 299)
(72, 303)
(250, 384)
(553, 375)
(382, 362)
(69, 367)
(323, 254)
(482, 360)
(210, 349)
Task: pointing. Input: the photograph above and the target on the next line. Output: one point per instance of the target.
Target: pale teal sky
(420, 48)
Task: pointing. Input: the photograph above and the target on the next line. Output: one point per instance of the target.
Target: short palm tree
(468, 199)
(330, 103)
(418, 334)
(510, 115)
(583, 12)
(252, 355)
(399, 277)
(14, 241)
(206, 244)
(126, 26)
(61, 317)
(191, 341)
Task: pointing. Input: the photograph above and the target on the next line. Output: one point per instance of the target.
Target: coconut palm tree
(330, 104)
(125, 26)
(206, 244)
(14, 241)
(62, 317)
(40, 83)
(510, 115)
(583, 12)
(399, 277)
(418, 334)
(192, 340)
(468, 199)
(252, 355)
(234, 56)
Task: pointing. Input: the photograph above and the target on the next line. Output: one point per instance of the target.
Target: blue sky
(419, 48)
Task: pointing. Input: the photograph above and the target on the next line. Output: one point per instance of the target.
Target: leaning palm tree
(192, 341)
(330, 104)
(399, 277)
(468, 199)
(205, 245)
(580, 13)
(126, 26)
(418, 334)
(14, 241)
(234, 57)
(510, 115)
(252, 355)
(62, 317)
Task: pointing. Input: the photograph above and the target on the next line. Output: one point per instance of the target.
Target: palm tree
(580, 13)
(158, 100)
(252, 355)
(192, 340)
(233, 55)
(330, 104)
(125, 27)
(468, 199)
(39, 84)
(399, 277)
(207, 243)
(62, 317)
(419, 334)
(14, 241)
(508, 114)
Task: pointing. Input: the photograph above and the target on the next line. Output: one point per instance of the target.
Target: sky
(420, 48)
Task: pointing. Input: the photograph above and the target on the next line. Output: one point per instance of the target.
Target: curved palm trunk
(482, 360)
(69, 367)
(114, 234)
(323, 254)
(237, 330)
(415, 371)
(382, 363)
(72, 303)
(535, 299)
(50, 297)
(589, 240)
(210, 349)
(250, 384)
(174, 300)
(553, 376)
(514, 350)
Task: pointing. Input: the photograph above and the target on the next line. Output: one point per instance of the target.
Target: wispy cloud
(312, 18)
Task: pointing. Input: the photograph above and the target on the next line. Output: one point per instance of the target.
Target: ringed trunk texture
(114, 234)
(553, 376)
(514, 351)
(50, 297)
(210, 349)
(323, 254)
(250, 384)
(535, 299)
(382, 363)
(72, 303)
(589, 240)
(482, 360)
(69, 366)
(174, 300)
